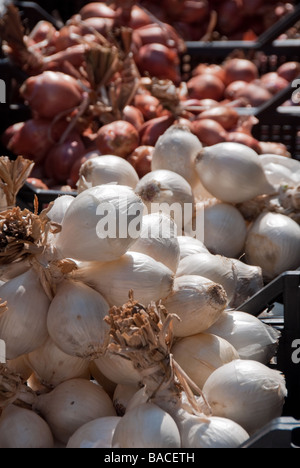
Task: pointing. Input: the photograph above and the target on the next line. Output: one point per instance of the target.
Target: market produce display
(120, 306)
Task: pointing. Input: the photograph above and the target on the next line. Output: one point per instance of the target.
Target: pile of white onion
(54, 308)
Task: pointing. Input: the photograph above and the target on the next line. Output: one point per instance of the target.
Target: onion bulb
(189, 245)
(76, 319)
(280, 170)
(199, 355)
(177, 148)
(101, 223)
(149, 279)
(106, 169)
(72, 404)
(23, 428)
(122, 395)
(246, 391)
(98, 431)
(197, 302)
(23, 326)
(273, 243)
(252, 338)
(167, 191)
(52, 366)
(117, 369)
(225, 229)
(232, 172)
(158, 240)
(146, 426)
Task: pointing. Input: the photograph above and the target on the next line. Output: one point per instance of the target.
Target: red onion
(154, 128)
(74, 54)
(195, 11)
(51, 93)
(94, 9)
(74, 172)
(61, 158)
(159, 34)
(237, 69)
(244, 139)
(209, 132)
(157, 60)
(212, 69)
(37, 183)
(34, 138)
(273, 82)
(230, 16)
(101, 25)
(225, 116)
(205, 87)
(148, 105)
(119, 138)
(289, 71)
(256, 94)
(133, 115)
(233, 88)
(141, 159)
(138, 17)
(42, 30)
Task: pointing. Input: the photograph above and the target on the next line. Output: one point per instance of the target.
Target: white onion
(165, 190)
(122, 395)
(224, 229)
(101, 224)
(177, 148)
(189, 245)
(52, 366)
(214, 267)
(106, 169)
(117, 369)
(23, 428)
(72, 404)
(150, 280)
(158, 239)
(197, 302)
(280, 170)
(76, 319)
(23, 326)
(99, 431)
(246, 391)
(273, 243)
(58, 209)
(146, 426)
(199, 355)
(252, 338)
(232, 172)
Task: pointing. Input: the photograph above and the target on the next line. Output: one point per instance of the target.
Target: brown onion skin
(97, 9)
(141, 159)
(195, 11)
(159, 61)
(119, 138)
(35, 137)
(74, 172)
(212, 69)
(61, 157)
(159, 34)
(43, 30)
(138, 18)
(133, 115)
(273, 82)
(154, 128)
(289, 71)
(256, 94)
(205, 87)
(148, 105)
(240, 70)
(209, 132)
(232, 89)
(51, 93)
(37, 183)
(244, 139)
(226, 116)
(230, 17)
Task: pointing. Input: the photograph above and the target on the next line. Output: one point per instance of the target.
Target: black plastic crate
(285, 290)
(267, 51)
(280, 433)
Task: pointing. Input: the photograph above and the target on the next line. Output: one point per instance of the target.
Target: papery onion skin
(226, 116)
(23, 428)
(152, 129)
(240, 70)
(159, 61)
(205, 87)
(247, 392)
(146, 426)
(100, 429)
(209, 131)
(141, 159)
